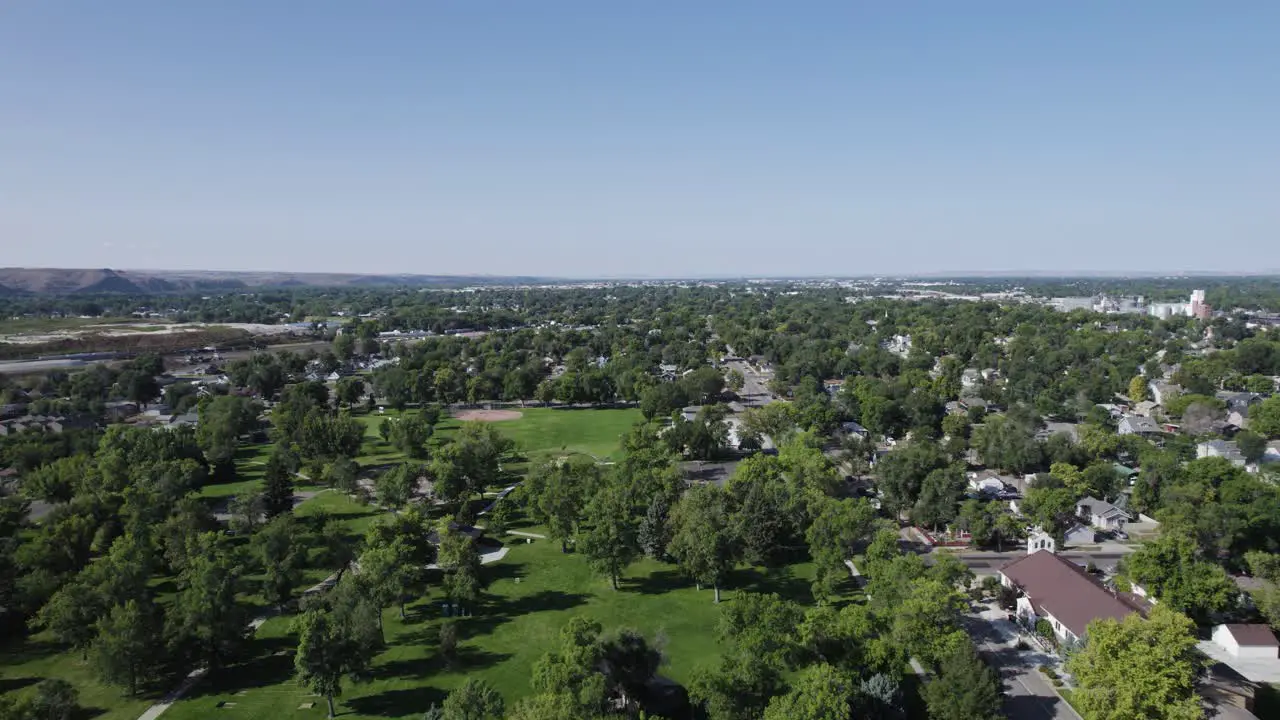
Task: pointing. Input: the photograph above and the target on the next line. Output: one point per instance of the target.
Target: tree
(328, 649)
(246, 511)
(277, 483)
(396, 486)
(1172, 569)
(410, 434)
(344, 346)
(964, 688)
(349, 390)
(1138, 668)
(630, 662)
(1252, 445)
(902, 473)
(611, 542)
(473, 700)
(734, 380)
(557, 492)
(206, 620)
(837, 529)
(281, 552)
(739, 689)
(55, 699)
(821, 693)
(124, 652)
(654, 532)
(460, 562)
(223, 420)
(573, 670)
(701, 541)
(1137, 389)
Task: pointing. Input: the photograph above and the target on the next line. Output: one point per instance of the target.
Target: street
(1028, 695)
(755, 391)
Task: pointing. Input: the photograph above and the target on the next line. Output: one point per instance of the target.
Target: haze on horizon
(587, 139)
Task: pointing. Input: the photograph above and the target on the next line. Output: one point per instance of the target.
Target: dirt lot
(488, 415)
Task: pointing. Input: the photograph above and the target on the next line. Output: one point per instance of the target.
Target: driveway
(1028, 695)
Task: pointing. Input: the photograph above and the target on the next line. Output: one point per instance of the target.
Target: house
(1061, 592)
(1146, 408)
(1221, 448)
(1237, 419)
(1271, 454)
(1247, 641)
(1162, 392)
(1071, 430)
(832, 387)
(1239, 401)
(1079, 534)
(970, 379)
(1101, 514)
(853, 428)
(1137, 425)
(954, 407)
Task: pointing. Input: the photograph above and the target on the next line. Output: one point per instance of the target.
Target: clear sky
(660, 138)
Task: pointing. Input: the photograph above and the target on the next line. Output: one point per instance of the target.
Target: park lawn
(533, 592)
(25, 663)
(559, 431)
(251, 462)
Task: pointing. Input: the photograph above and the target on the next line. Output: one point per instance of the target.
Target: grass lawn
(534, 591)
(24, 664)
(543, 431)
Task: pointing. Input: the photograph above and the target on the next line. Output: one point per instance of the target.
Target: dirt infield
(488, 415)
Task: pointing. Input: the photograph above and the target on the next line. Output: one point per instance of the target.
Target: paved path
(520, 533)
(194, 677)
(1028, 695)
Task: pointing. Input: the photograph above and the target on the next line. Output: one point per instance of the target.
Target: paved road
(987, 563)
(754, 388)
(1028, 695)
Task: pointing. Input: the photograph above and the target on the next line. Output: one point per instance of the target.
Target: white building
(1254, 641)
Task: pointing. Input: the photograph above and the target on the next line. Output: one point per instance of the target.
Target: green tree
(837, 530)
(1138, 389)
(223, 420)
(55, 699)
(280, 548)
(328, 649)
(396, 486)
(701, 541)
(460, 562)
(1138, 668)
(125, 652)
(631, 662)
(964, 688)
(1172, 568)
(1252, 445)
(611, 541)
(206, 620)
(277, 483)
(349, 390)
(734, 380)
(573, 670)
(473, 700)
(409, 434)
(821, 693)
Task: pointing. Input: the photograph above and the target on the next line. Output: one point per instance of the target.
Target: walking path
(191, 680)
(520, 533)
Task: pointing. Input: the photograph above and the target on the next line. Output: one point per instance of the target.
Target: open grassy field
(533, 592)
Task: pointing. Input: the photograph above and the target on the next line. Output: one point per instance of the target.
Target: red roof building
(1058, 590)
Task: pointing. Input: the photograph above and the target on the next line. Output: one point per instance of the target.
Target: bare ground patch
(488, 415)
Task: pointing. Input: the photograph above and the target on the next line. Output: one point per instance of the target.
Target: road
(755, 391)
(987, 563)
(1028, 695)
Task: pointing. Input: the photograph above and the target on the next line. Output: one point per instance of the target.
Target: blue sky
(640, 139)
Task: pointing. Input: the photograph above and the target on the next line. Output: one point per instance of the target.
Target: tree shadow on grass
(271, 663)
(658, 582)
(466, 658)
(781, 581)
(28, 650)
(500, 611)
(396, 703)
(8, 685)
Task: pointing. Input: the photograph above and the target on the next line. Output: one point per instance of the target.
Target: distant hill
(60, 281)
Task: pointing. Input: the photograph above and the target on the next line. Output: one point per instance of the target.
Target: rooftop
(1061, 588)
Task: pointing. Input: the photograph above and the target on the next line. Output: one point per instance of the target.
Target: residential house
(1071, 430)
(832, 387)
(120, 410)
(1146, 408)
(1061, 592)
(1239, 401)
(1138, 425)
(971, 379)
(954, 407)
(1079, 534)
(1247, 641)
(1101, 514)
(1162, 392)
(1221, 448)
(853, 428)
(1272, 453)
(1238, 420)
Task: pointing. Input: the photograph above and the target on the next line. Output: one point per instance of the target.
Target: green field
(534, 591)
